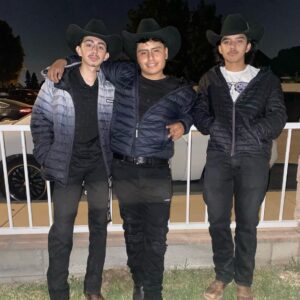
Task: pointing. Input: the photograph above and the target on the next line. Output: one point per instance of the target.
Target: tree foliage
(287, 62)
(11, 54)
(34, 84)
(31, 81)
(200, 54)
(27, 79)
(195, 56)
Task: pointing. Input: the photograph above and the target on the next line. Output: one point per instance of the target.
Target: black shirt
(151, 91)
(86, 145)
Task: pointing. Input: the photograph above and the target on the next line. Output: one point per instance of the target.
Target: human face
(151, 57)
(93, 51)
(233, 49)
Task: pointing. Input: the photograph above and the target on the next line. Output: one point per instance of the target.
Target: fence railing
(10, 135)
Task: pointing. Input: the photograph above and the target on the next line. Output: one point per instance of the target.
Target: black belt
(152, 161)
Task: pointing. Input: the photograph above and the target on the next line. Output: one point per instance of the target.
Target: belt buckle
(139, 160)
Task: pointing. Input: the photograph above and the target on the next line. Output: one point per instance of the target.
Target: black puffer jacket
(247, 126)
(148, 136)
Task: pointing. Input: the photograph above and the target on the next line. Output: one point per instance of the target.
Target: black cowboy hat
(147, 29)
(96, 28)
(236, 24)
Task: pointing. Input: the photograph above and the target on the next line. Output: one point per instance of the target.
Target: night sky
(41, 24)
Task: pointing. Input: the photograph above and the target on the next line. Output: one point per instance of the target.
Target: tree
(11, 54)
(287, 62)
(34, 84)
(31, 81)
(200, 54)
(195, 56)
(27, 79)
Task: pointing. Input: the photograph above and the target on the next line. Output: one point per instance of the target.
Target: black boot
(138, 293)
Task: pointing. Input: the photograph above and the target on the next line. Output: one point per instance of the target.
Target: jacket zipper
(136, 129)
(221, 77)
(233, 131)
(233, 110)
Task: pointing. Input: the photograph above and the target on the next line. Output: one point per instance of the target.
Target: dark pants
(60, 239)
(245, 179)
(144, 194)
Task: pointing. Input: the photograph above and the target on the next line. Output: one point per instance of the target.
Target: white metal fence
(22, 134)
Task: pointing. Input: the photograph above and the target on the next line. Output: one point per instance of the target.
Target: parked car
(15, 166)
(3, 94)
(13, 110)
(23, 95)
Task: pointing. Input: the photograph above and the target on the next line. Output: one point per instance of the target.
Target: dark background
(41, 24)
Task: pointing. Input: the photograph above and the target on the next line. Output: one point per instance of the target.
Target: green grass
(276, 283)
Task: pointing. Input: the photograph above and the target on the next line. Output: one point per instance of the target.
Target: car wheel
(16, 179)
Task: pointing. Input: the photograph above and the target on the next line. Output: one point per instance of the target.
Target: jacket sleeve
(187, 104)
(270, 126)
(201, 112)
(118, 72)
(42, 122)
(71, 60)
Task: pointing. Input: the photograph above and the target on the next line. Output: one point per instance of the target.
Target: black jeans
(144, 194)
(244, 178)
(60, 239)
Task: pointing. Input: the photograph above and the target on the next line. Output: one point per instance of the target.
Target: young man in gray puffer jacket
(70, 126)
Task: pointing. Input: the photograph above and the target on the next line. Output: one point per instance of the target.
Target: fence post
(297, 207)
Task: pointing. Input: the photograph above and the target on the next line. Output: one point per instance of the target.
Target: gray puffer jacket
(53, 126)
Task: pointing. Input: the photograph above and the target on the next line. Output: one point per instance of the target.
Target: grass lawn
(276, 283)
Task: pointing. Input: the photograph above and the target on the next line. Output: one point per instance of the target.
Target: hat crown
(234, 24)
(148, 25)
(96, 26)
(148, 28)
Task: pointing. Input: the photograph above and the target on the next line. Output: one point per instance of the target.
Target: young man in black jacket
(242, 109)
(150, 111)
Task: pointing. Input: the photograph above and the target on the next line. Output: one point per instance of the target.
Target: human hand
(176, 130)
(56, 70)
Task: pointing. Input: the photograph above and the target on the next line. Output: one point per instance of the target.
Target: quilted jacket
(53, 126)
(246, 126)
(146, 136)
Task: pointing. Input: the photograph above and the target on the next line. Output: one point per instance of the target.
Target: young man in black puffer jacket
(150, 111)
(242, 109)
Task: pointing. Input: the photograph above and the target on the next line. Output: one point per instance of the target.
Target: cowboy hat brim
(254, 33)
(75, 34)
(169, 35)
